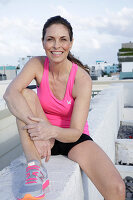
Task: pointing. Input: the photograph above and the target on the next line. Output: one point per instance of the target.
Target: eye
(49, 39)
(63, 39)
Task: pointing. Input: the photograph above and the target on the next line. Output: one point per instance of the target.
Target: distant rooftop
(127, 45)
(125, 54)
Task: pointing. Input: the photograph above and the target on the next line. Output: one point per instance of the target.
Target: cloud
(92, 35)
(19, 37)
(3, 2)
(99, 33)
(120, 23)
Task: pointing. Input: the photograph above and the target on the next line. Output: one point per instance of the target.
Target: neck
(59, 68)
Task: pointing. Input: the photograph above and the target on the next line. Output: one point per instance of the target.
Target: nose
(56, 44)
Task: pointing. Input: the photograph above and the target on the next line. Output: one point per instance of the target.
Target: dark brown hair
(60, 20)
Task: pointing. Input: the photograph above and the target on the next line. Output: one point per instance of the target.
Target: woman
(55, 120)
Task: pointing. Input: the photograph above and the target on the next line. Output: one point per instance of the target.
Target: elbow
(78, 135)
(7, 96)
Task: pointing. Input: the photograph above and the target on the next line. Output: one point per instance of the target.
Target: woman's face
(57, 43)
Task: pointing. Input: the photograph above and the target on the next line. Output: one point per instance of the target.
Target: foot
(36, 180)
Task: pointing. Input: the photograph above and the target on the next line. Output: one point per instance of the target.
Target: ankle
(34, 162)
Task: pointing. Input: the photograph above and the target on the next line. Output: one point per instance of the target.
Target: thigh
(97, 165)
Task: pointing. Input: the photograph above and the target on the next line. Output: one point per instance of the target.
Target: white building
(127, 66)
(7, 72)
(99, 67)
(22, 62)
(125, 57)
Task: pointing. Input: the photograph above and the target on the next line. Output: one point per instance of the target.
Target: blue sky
(100, 26)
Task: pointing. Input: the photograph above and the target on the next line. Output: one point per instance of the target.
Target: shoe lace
(32, 173)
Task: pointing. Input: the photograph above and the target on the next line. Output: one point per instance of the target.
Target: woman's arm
(83, 90)
(13, 95)
(82, 94)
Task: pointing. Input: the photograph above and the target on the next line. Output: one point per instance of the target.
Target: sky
(99, 26)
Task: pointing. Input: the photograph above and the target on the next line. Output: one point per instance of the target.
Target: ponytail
(78, 62)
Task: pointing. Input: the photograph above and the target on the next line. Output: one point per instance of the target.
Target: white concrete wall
(104, 120)
(128, 114)
(10, 147)
(3, 86)
(128, 94)
(127, 66)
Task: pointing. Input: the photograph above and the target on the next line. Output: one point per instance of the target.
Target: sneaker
(36, 181)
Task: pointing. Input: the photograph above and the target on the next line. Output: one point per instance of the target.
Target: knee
(119, 189)
(29, 95)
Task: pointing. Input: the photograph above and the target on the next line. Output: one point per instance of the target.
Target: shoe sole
(30, 197)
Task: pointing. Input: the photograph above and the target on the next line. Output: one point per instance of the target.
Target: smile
(56, 52)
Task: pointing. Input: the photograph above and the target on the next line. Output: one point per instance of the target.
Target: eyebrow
(53, 36)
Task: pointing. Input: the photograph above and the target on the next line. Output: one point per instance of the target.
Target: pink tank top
(58, 111)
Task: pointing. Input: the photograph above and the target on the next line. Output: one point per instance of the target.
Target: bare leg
(29, 148)
(99, 168)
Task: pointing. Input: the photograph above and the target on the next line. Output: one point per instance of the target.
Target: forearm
(66, 135)
(18, 106)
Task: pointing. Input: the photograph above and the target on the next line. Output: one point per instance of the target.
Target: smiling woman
(55, 120)
(57, 42)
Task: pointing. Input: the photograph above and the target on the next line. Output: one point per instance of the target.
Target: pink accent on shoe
(31, 182)
(31, 179)
(35, 173)
(45, 184)
(32, 167)
(28, 174)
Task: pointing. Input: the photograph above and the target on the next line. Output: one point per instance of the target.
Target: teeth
(57, 53)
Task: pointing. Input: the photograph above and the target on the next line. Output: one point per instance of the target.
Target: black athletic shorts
(61, 148)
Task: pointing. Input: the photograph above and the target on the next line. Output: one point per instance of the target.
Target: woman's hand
(40, 130)
(44, 149)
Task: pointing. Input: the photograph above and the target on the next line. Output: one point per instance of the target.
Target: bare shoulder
(83, 83)
(83, 78)
(36, 61)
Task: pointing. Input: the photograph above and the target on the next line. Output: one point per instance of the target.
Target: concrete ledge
(64, 175)
(10, 147)
(104, 120)
(127, 114)
(4, 113)
(10, 155)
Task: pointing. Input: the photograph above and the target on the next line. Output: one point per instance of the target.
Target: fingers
(35, 137)
(44, 149)
(48, 155)
(30, 126)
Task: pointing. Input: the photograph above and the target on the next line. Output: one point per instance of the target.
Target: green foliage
(126, 54)
(125, 49)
